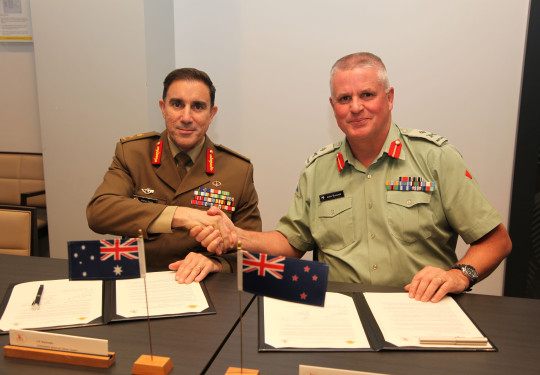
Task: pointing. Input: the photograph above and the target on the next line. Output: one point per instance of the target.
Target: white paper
(165, 296)
(403, 320)
(63, 303)
(315, 370)
(54, 341)
(293, 325)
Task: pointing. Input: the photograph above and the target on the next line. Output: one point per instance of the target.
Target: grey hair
(360, 60)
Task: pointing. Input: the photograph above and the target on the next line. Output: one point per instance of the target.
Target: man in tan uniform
(162, 184)
(385, 205)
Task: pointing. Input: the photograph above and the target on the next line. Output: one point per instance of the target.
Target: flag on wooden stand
(289, 279)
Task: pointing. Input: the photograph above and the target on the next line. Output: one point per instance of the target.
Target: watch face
(468, 271)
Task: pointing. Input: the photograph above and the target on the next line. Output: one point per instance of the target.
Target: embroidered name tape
(330, 196)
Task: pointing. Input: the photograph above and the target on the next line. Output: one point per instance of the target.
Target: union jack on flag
(118, 249)
(281, 277)
(261, 264)
(106, 259)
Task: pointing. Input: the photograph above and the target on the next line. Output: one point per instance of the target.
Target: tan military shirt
(370, 231)
(134, 192)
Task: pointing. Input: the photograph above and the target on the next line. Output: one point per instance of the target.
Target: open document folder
(66, 303)
(368, 322)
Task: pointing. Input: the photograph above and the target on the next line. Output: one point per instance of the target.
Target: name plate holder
(46, 355)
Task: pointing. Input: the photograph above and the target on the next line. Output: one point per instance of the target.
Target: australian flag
(285, 278)
(106, 259)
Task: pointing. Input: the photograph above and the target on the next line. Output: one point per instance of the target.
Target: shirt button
(372, 236)
(409, 202)
(369, 176)
(370, 206)
(374, 267)
(331, 212)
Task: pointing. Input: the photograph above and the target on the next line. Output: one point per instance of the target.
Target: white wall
(455, 64)
(19, 117)
(97, 76)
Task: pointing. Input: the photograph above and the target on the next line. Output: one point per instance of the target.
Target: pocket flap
(408, 198)
(334, 207)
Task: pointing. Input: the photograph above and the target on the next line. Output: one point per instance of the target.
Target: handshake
(213, 229)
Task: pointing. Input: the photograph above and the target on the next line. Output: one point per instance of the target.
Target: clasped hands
(429, 284)
(214, 230)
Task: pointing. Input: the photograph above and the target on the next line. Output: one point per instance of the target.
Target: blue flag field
(289, 279)
(106, 259)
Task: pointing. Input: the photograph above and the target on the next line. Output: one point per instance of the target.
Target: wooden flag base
(57, 356)
(152, 365)
(241, 371)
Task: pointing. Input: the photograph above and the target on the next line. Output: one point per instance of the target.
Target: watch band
(468, 271)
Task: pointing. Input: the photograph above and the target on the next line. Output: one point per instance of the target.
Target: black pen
(37, 301)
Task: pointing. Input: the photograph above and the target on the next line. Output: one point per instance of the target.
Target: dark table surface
(190, 342)
(512, 324)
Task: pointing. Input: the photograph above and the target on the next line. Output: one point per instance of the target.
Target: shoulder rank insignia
(395, 149)
(210, 167)
(156, 159)
(139, 136)
(325, 150)
(232, 152)
(416, 133)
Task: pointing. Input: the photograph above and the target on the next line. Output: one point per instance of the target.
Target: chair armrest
(25, 196)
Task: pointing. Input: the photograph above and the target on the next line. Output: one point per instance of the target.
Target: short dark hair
(189, 74)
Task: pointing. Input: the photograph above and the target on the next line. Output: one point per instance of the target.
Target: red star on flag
(295, 278)
(306, 269)
(303, 295)
(315, 277)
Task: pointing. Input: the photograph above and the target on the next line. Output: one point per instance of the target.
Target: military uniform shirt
(371, 233)
(135, 192)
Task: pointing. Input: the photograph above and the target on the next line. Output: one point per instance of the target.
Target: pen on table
(454, 340)
(37, 301)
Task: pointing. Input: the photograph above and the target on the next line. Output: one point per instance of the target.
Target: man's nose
(356, 105)
(186, 114)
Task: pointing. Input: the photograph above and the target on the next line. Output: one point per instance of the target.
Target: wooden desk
(190, 342)
(513, 325)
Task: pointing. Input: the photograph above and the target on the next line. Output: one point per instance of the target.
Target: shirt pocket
(409, 215)
(335, 225)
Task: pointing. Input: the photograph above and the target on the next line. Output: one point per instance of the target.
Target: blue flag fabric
(289, 279)
(106, 259)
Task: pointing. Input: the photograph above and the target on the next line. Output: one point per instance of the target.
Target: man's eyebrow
(200, 102)
(175, 100)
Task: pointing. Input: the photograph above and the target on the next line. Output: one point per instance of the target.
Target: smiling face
(187, 112)
(361, 105)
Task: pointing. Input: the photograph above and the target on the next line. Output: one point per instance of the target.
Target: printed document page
(404, 321)
(294, 325)
(165, 296)
(63, 303)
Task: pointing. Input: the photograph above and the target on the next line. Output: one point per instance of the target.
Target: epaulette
(232, 152)
(416, 133)
(139, 136)
(323, 151)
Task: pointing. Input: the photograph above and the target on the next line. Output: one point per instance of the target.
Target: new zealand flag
(106, 259)
(285, 278)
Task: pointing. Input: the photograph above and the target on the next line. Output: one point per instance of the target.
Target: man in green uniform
(162, 184)
(385, 205)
